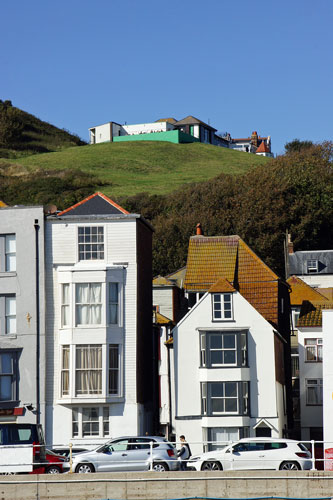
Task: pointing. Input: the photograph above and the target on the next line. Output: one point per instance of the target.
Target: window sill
(92, 399)
(8, 274)
(9, 336)
(223, 320)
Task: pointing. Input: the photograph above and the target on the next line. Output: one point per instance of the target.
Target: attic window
(222, 306)
(312, 266)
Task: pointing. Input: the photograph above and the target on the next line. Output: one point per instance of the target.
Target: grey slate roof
(298, 261)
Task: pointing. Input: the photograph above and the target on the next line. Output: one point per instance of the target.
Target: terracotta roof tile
(222, 286)
(2, 204)
(302, 291)
(162, 320)
(212, 258)
(263, 148)
(311, 313)
(160, 280)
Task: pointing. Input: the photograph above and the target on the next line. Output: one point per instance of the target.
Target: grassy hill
(125, 169)
(23, 134)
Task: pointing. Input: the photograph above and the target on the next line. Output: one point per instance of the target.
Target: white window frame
(88, 243)
(316, 346)
(79, 423)
(6, 264)
(65, 306)
(89, 304)
(242, 398)
(312, 266)
(240, 348)
(65, 371)
(316, 384)
(220, 306)
(7, 317)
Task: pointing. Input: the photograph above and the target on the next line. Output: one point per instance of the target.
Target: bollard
(70, 458)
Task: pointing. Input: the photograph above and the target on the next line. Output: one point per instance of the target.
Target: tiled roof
(214, 257)
(222, 286)
(263, 148)
(302, 291)
(2, 204)
(96, 204)
(160, 280)
(170, 120)
(311, 313)
(162, 320)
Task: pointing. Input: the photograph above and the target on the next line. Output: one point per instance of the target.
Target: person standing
(183, 453)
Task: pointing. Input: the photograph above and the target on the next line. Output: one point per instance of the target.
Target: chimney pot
(290, 245)
(199, 230)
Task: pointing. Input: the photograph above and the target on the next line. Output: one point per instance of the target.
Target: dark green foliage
(62, 189)
(22, 133)
(293, 192)
(296, 146)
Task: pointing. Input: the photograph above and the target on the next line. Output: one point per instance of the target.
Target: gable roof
(222, 286)
(190, 120)
(311, 313)
(211, 258)
(96, 204)
(263, 148)
(302, 291)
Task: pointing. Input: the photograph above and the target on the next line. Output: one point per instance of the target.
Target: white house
(228, 378)
(98, 323)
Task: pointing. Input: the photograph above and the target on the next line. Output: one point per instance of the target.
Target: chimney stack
(254, 139)
(199, 230)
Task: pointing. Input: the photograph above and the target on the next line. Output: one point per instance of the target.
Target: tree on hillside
(10, 125)
(296, 146)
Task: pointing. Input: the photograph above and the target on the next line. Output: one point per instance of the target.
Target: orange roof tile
(162, 320)
(301, 291)
(222, 286)
(311, 313)
(214, 257)
(160, 280)
(326, 292)
(2, 204)
(101, 195)
(263, 148)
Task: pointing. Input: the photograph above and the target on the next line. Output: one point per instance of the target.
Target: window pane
(216, 357)
(217, 405)
(231, 405)
(217, 390)
(229, 341)
(216, 341)
(229, 357)
(231, 389)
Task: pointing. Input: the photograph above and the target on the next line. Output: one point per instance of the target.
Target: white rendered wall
(102, 133)
(311, 416)
(147, 128)
(264, 400)
(327, 323)
(318, 280)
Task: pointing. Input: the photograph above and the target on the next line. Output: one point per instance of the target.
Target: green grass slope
(24, 134)
(155, 167)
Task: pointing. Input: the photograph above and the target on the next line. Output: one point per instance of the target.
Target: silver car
(255, 453)
(127, 454)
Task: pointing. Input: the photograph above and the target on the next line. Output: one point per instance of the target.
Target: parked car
(53, 464)
(64, 451)
(127, 454)
(255, 453)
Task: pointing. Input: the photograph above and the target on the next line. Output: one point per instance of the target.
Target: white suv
(255, 453)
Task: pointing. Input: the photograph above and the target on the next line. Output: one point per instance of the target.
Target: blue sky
(242, 66)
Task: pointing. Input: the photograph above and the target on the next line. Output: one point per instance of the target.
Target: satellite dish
(50, 209)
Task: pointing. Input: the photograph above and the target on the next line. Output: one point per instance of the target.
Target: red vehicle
(53, 464)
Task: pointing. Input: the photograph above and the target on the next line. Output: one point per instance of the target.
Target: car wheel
(290, 466)
(85, 468)
(160, 467)
(53, 469)
(211, 465)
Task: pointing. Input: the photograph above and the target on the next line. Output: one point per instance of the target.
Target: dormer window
(91, 242)
(222, 306)
(312, 266)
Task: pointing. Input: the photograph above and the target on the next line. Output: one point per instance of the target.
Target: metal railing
(321, 456)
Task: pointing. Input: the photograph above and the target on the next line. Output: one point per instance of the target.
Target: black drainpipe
(37, 324)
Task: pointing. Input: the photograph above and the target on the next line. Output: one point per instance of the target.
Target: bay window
(65, 353)
(88, 303)
(65, 305)
(114, 303)
(88, 369)
(90, 422)
(114, 367)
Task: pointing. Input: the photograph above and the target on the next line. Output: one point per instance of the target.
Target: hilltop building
(189, 129)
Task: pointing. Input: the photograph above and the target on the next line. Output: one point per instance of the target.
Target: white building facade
(229, 356)
(99, 328)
